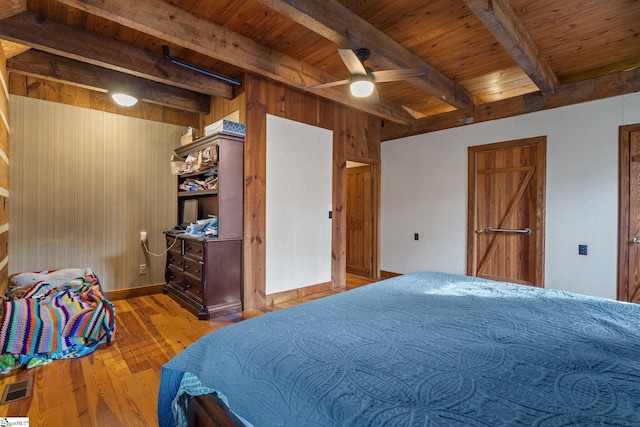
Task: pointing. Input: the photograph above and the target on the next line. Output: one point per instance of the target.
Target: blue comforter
(426, 349)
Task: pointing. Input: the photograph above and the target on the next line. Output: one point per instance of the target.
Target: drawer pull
(189, 267)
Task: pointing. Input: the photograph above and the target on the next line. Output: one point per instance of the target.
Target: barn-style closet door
(507, 211)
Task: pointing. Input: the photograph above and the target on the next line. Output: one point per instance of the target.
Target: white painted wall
(298, 228)
(424, 190)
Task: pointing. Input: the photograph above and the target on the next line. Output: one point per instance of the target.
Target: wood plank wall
(4, 173)
(356, 136)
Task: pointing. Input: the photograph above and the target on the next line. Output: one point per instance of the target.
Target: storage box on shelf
(204, 274)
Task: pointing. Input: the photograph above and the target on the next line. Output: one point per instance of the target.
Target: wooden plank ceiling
(481, 59)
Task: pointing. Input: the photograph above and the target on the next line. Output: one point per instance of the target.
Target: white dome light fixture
(124, 99)
(361, 86)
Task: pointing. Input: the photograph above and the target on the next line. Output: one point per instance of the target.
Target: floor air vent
(16, 391)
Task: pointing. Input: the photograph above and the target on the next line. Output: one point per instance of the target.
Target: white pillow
(54, 278)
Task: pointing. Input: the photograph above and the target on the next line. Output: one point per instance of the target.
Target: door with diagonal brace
(505, 238)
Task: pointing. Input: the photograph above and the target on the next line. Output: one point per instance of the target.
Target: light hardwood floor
(118, 384)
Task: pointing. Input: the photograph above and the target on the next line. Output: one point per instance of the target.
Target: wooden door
(629, 215)
(359, 221)
(507, 211)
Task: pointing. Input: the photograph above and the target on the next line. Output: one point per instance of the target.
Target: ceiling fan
(363, 79)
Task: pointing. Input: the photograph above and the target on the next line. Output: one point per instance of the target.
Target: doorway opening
(362, 219)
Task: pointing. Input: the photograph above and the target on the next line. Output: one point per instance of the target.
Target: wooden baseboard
(388, 274)
(285, 296)
(134, 292)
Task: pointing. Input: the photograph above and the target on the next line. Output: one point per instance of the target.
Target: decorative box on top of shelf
(226, 126)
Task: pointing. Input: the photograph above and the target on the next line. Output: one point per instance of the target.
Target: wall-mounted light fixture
(124, 99)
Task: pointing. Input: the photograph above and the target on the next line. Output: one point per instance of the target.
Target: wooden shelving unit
(204, 274)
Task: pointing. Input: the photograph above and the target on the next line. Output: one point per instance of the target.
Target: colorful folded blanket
(52, 321)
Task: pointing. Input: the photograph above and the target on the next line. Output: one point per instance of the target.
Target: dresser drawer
(174, 244)
(175, 276)
(193, 267)
(193, 288)
(193, 250)
(175, 261)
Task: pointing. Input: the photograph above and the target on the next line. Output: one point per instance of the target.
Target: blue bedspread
(426, 349)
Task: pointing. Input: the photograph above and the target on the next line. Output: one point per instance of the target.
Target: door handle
(636, 240)
(506, 230)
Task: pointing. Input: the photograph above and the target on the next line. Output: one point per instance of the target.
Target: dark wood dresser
(205, 275)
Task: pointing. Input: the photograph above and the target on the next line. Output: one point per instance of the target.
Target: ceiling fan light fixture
(124, 100)
(361, 86)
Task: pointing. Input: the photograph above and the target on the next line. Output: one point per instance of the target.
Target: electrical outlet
(582, 249)
(143, 236)
(143, 268)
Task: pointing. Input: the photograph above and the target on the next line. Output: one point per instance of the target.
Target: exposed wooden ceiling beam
(507, 28)
(12, 7)
(52, 67)
(168, 22)
(50, 36)
(332, 20)
(615, 84)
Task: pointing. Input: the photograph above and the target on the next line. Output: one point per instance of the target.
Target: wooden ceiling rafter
(50, 36)
(337, 23)
(501, 20)
(52, 67)
(178, 27)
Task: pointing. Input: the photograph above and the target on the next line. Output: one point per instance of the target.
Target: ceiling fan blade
(330, 84)
(352, 62)
(395, 75)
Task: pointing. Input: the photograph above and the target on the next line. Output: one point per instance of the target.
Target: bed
(54, 314)
(424, 349)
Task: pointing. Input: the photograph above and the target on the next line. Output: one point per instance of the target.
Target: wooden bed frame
(209, 411)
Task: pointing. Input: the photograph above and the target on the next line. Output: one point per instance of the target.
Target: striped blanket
(53, 321)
